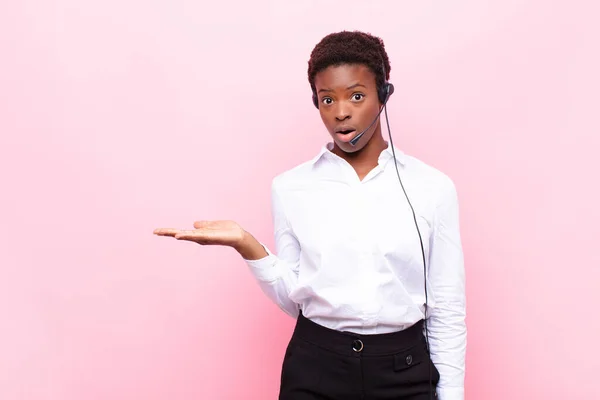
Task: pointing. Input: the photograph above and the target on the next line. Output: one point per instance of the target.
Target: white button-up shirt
(349, 255)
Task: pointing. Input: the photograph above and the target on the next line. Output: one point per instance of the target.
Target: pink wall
(117, 117)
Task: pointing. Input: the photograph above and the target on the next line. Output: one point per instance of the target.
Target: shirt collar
(384, 157)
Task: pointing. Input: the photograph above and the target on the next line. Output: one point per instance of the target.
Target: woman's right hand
(223, 233)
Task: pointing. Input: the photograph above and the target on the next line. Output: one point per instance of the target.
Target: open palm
(224, 233)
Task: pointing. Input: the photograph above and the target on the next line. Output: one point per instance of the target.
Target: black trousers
(325, 364)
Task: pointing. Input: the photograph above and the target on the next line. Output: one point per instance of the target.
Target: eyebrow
(348, 88)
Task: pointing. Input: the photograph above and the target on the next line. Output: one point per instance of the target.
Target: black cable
(422, 248)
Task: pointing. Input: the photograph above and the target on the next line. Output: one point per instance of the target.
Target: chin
(348, 148)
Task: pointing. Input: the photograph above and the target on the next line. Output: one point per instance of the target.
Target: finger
(166, 231)
(187, 235)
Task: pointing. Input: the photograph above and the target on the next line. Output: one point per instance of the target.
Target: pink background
(117, 117)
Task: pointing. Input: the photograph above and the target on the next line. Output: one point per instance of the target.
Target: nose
(342, 111)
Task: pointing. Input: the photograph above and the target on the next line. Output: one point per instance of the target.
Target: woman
(369, 257)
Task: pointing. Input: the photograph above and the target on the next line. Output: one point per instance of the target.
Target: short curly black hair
(350, 48)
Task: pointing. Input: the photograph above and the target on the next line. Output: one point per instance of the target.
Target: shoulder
(436, 183)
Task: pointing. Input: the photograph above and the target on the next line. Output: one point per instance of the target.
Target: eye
(357, 96)
(326, 100)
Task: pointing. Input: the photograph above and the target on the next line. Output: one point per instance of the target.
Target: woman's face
(348, 104)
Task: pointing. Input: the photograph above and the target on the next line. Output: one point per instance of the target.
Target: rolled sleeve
(265, 269)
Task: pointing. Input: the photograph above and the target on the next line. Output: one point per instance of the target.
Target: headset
(384, 92)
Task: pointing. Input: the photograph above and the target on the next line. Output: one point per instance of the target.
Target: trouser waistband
(358, 344)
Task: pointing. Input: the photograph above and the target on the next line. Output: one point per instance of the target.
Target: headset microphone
(389, 89)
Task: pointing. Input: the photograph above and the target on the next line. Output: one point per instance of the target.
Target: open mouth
(345, 134)
(344, 129)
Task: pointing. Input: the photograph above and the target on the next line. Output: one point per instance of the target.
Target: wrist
(242, 242)
(249, 248)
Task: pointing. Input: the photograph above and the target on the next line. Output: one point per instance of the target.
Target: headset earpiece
(385, 92)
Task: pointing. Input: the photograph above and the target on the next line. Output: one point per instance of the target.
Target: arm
(446, 324)
(276, 275)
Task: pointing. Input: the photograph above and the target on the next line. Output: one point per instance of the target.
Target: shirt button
(409, 360)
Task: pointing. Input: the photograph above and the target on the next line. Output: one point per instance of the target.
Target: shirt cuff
(265, 269)
(451, 393)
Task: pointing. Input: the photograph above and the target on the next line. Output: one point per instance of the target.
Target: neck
(367, 158)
